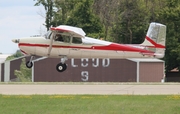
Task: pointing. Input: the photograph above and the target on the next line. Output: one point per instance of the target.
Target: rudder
(155, 39)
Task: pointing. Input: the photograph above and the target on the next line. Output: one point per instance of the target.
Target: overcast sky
(18, 18)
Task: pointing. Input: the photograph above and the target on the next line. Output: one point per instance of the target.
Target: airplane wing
(74, 31)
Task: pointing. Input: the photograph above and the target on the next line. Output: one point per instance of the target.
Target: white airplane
(70, 42)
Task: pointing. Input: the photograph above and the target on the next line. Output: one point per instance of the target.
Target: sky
(18, 19)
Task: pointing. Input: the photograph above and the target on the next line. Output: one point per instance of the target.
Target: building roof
(145, 60)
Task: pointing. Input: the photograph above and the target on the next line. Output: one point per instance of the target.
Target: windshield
(48, 34)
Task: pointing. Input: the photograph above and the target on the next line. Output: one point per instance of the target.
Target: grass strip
(89, 104)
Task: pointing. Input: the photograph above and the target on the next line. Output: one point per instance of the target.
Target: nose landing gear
(29, 63)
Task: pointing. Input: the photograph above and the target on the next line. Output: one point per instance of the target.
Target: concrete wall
(7, 71)
(91, 70)
(151, 71)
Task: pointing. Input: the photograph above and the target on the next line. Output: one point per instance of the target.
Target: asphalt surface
(102, 89)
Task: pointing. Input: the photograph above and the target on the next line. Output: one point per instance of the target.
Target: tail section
(155, 39)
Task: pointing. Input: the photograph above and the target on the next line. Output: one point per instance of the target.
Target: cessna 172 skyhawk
(70, 42)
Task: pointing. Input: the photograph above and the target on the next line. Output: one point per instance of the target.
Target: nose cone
(15, 40)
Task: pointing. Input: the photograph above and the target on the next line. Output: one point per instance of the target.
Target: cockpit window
(59, 37)
(66, 38)
(62, 38)
(77, 40)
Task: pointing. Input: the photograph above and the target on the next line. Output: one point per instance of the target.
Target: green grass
(89, 104)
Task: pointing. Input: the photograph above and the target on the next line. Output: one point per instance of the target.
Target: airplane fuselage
(89, 48)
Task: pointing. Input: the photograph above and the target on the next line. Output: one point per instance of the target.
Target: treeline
(121, 21)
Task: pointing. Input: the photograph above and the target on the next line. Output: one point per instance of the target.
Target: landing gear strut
(62, 65)
(29, 63)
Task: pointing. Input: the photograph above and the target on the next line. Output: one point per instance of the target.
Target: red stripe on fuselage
(54, 46)
(33, 45)
(154, 43)
(23, 52)
(121, 47)
(113, 47)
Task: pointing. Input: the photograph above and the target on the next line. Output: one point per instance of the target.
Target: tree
(16, 55)
(132, 22)
(107, 11)
(170, 15)
(82, 16)
(24, 74)
(63, 10)
(48, 6)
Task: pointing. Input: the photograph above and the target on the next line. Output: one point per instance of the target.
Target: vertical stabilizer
(155, 39)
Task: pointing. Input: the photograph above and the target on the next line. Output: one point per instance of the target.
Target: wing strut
(50, 45)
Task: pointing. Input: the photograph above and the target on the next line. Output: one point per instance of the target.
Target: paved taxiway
(117, 89)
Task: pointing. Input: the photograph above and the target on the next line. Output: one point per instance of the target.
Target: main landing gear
(59, 67)
(29, 63)
(62, 65)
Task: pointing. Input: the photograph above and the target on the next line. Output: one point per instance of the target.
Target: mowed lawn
(89, 104)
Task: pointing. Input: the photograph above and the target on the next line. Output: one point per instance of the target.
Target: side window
(66, 38)
(77, 40)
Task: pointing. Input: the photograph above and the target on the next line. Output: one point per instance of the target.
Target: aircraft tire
(61, 67)
(29, 64)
